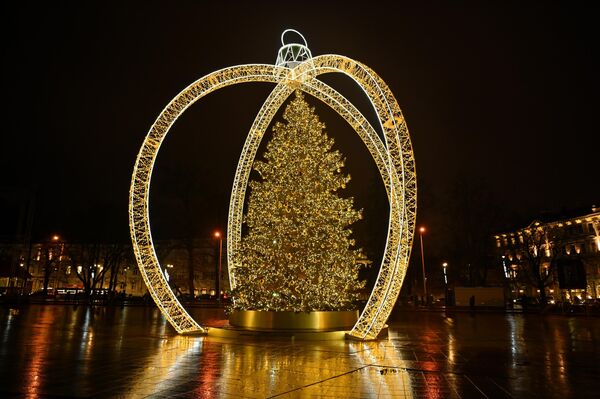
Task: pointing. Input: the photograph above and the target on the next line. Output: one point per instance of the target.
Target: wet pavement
(62, 351)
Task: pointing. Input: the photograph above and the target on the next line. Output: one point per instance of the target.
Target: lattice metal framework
(393, 157)
(292, 54)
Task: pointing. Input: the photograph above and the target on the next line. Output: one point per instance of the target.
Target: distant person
(472, 302)
(524, 302)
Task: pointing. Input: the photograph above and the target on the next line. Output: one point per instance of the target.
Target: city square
(197, 201)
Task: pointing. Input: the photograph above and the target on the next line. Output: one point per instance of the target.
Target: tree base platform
(318, 321)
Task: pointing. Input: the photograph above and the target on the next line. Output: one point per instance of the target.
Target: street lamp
(59, 248)
(445, 266)
(167, 275)
(218, 279)
(421, 231)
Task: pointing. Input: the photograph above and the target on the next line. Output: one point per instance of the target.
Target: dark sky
(503, 94)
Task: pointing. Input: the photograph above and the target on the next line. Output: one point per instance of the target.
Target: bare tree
(114, 257)
(92, 262)
(468, 216)
(537, 249)
(186, 196)
(52, 253)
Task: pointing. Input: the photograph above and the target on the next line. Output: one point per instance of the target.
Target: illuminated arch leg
(403, 214)
(139, 222)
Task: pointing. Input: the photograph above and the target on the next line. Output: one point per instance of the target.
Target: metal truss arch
(403, 191)
(139, 218)
(396, 174)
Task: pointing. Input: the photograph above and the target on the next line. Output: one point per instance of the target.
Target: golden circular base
(311, 321)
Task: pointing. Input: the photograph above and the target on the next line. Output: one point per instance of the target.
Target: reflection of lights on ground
(462, 355)
(451, 349)
(303, 369)
(40, 343)
(171, 363)
(9, 322)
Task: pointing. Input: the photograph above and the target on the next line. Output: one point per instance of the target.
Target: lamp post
(421, 231)
(445, 266)
(218, 279)
(56, 240)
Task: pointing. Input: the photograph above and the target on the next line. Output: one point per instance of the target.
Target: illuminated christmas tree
(298, 254)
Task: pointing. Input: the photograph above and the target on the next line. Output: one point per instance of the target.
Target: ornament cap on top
(292, 54)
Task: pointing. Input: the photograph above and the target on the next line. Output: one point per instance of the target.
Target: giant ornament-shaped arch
(295, 69)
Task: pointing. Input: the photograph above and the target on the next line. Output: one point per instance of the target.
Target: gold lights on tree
(295, 69)
(297, 254)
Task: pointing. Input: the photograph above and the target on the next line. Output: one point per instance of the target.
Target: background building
(556, 259)
(60, 267)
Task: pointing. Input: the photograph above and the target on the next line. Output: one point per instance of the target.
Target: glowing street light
(446, 296)
(421, 231)
(218, 279)
(55, 238)
(167, 275)
(445, 266)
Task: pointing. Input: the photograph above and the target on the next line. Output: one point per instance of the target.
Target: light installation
(295, 69)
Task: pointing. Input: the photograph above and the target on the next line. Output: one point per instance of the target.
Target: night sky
(502, 96)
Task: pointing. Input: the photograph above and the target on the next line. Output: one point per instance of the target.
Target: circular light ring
(401, 226)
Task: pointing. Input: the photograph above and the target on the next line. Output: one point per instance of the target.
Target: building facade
(561, 256)
(64, 267)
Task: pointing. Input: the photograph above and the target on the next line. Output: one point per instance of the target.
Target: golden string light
(296, 69)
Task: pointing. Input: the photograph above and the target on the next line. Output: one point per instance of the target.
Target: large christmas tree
(298, 254)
